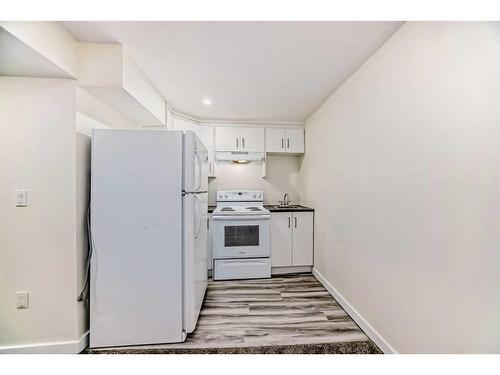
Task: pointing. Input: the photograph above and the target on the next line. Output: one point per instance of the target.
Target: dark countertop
(271, 208)
(300, 208)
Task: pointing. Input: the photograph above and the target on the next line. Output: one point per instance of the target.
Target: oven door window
(241, 235)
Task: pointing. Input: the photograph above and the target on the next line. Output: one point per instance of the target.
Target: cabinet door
(281, 239)
(252, 139)
(206, 134)
(295, 140)
(302, 238)
(227, 139)
(275, 140)
(209, 236)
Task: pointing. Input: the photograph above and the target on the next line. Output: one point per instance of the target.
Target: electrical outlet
(21, 198)
(22, 300)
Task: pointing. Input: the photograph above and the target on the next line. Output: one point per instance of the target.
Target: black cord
(83, 296)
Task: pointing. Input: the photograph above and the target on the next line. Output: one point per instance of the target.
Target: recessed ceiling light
(207, 101)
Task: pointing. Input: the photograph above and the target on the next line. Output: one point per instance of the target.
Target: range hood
(239, 156)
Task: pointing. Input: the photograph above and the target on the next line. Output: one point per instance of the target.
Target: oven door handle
(241, 217)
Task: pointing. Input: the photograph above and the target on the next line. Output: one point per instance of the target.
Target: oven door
(241, 236)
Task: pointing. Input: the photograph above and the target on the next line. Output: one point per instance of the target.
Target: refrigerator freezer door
(195, 163)
(136, 268)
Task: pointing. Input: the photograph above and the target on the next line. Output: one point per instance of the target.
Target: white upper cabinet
(229, 138)
(285, 140)
(294, 140)
(275, 140)
(252, 139)
(206, 134)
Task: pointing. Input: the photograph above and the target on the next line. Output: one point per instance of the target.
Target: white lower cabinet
(281, 239)
(209, 238)
(292, 239)
(302, 239)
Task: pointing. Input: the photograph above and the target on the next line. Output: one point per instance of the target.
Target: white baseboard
(292, 269)
(360, 321)
(58, 347)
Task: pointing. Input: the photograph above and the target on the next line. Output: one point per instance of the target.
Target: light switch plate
(21, 198)
(22, 300)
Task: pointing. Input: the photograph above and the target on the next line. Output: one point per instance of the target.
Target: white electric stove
(241, 236)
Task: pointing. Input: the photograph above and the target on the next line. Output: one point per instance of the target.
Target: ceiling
(265, 71)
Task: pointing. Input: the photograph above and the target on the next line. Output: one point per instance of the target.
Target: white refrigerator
(149, 236)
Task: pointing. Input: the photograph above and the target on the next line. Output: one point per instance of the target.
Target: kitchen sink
(287, 206)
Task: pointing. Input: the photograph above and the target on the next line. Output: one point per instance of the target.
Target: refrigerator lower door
(195, 256)
(136, 268)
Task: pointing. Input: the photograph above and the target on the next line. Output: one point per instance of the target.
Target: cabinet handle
(236, 142)
(288, 143)
(295, 221)
(288, 221)
(282, 142)
(243, 142)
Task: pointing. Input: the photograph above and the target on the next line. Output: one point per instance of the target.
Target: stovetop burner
(240, 203)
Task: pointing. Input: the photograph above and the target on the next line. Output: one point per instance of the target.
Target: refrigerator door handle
(197, 225)
(184, 192)
(200, 167)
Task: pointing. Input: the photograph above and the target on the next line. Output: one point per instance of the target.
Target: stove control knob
(225, 196)
(254, 195)
(220, 195)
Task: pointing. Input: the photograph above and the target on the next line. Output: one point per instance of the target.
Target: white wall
(45, 148)
(45, 129)
(38, 251)
(402, 166)
(282, 177)
(143, 90)
(107, 72)
(99, 111)
(49, 39)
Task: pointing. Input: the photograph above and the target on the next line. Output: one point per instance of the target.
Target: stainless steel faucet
(286, 200)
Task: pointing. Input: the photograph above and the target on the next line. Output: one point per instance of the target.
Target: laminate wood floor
(288, 310)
